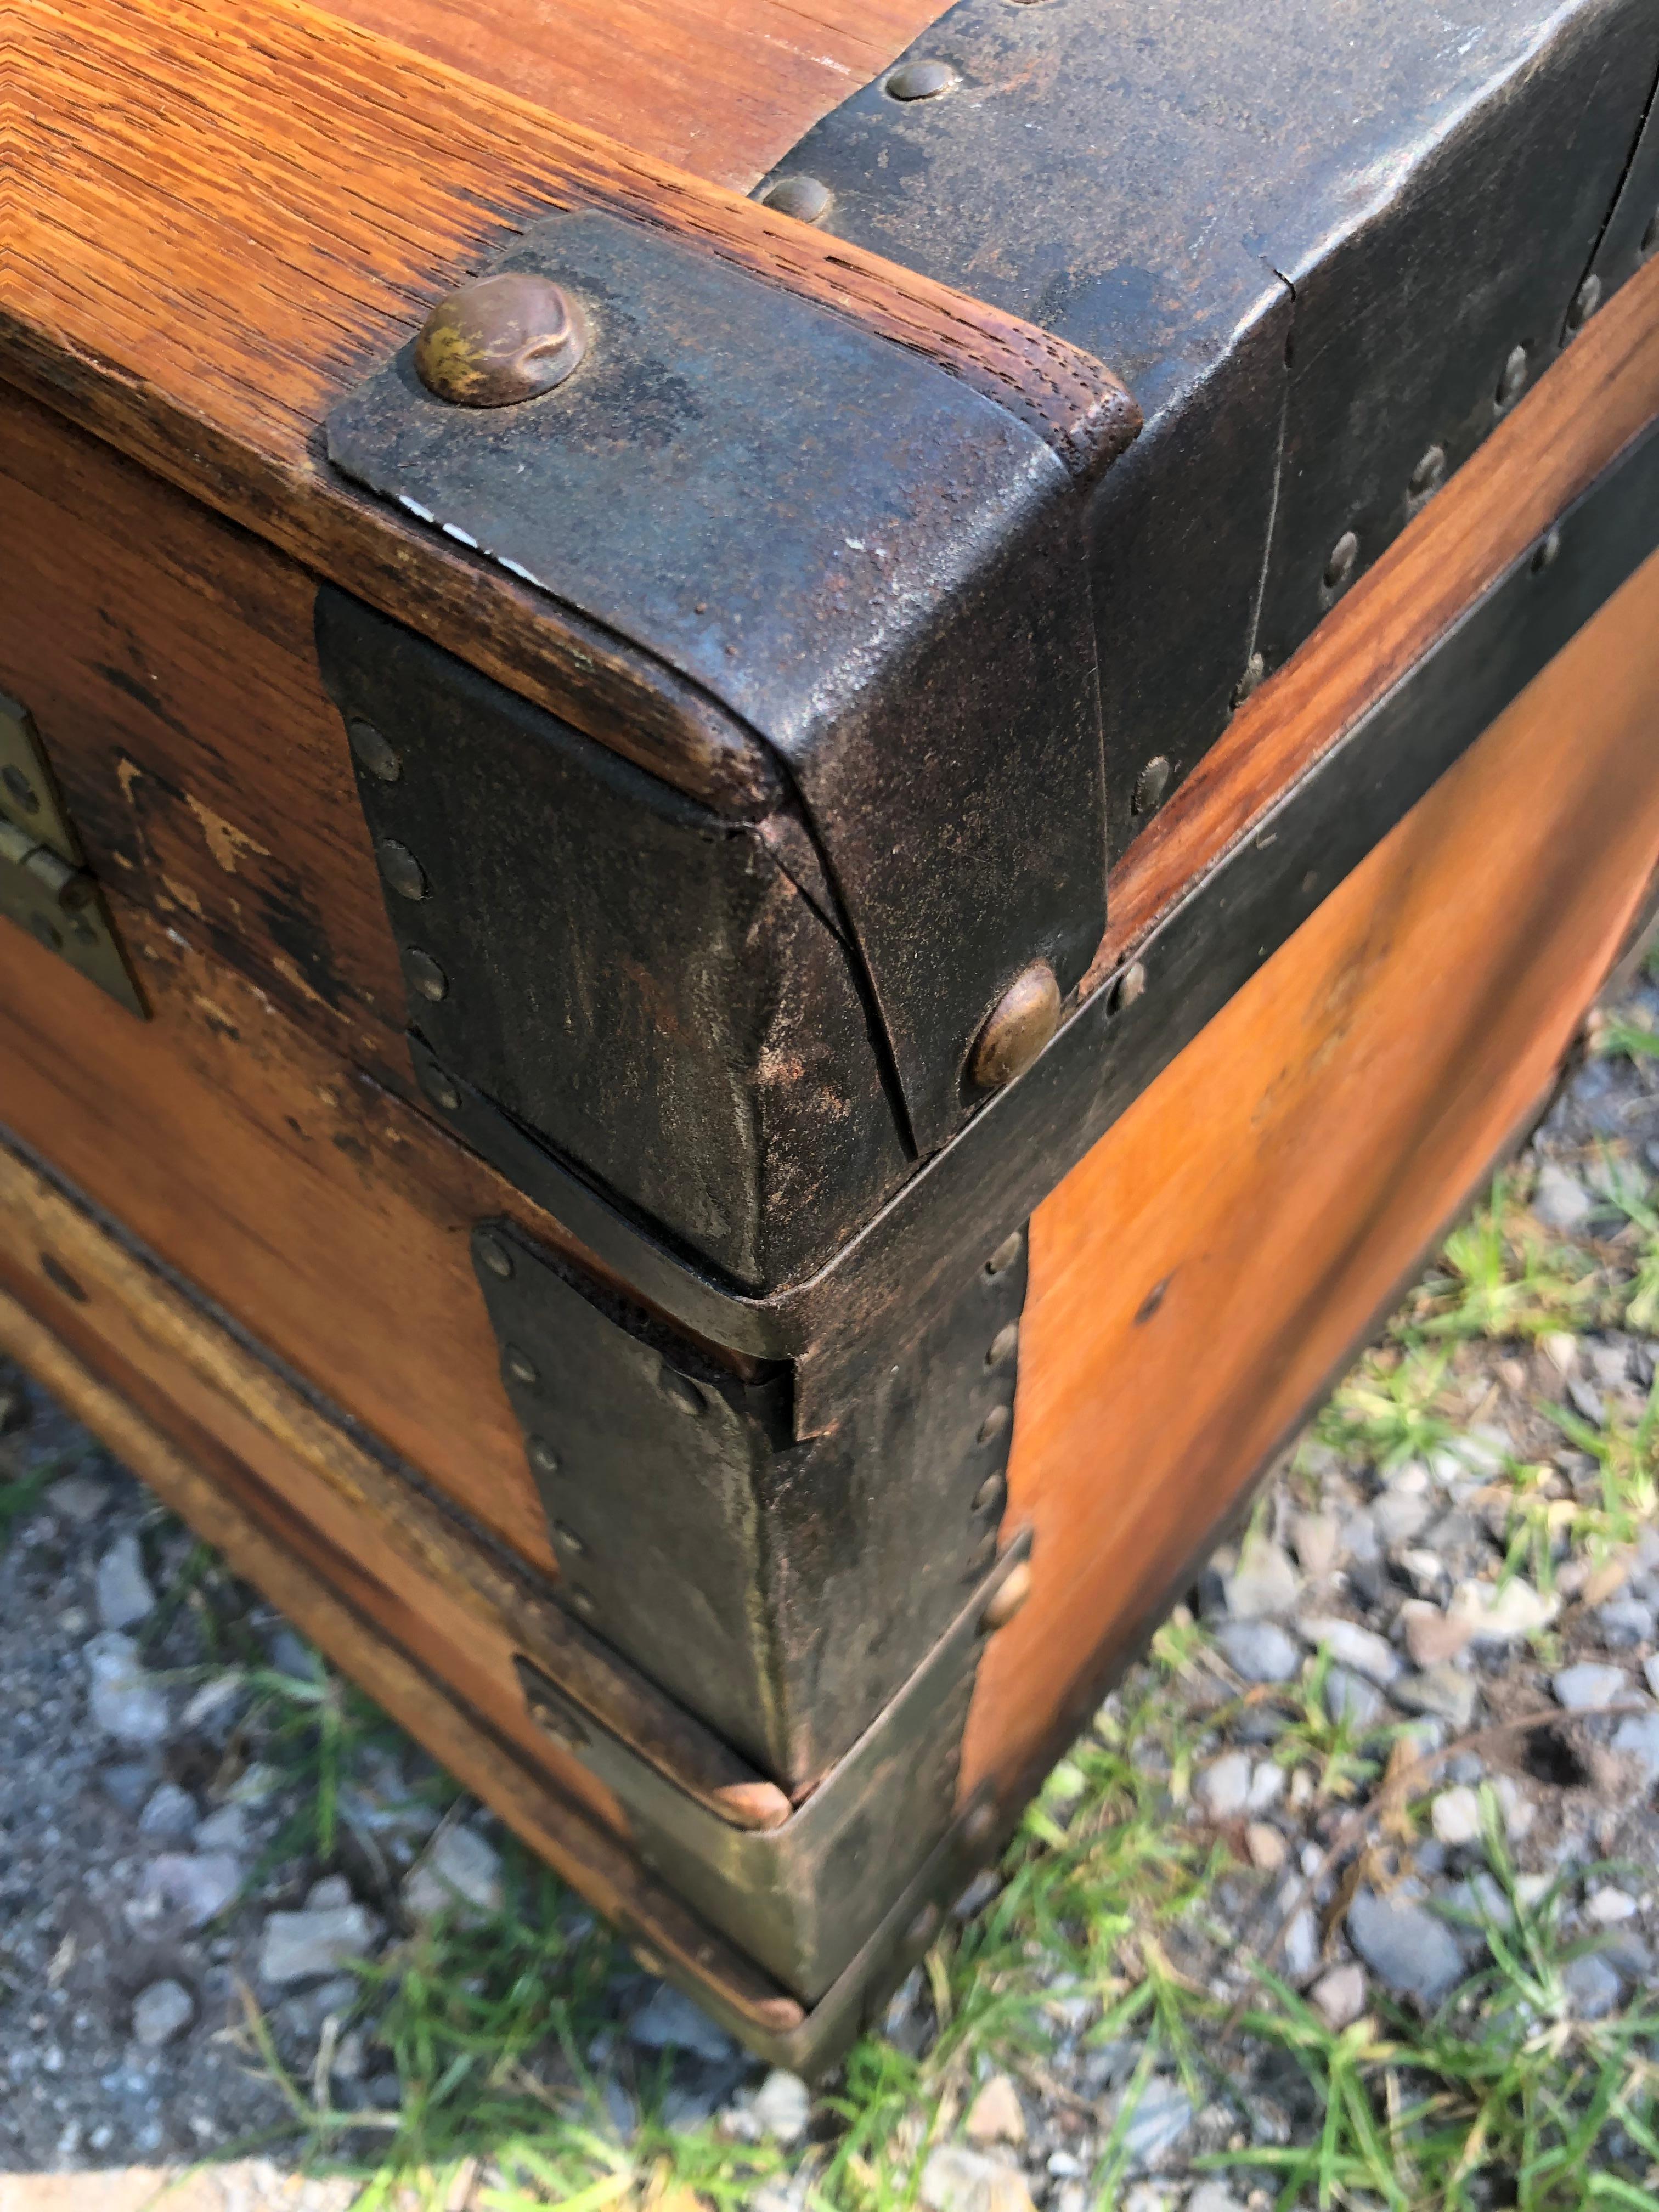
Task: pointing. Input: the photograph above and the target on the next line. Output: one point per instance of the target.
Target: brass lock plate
(44, 887)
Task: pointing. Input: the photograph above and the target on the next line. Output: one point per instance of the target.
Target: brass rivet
(1131, 985)
(1585, 301)
(521, 1367)
(494, 1254)
(1513, 381)
(1005, 1253)
(1004, 1343)
(1006, 1599)
(1016, 1028)
(543, 1457)
(1151, 784)
(920, 80)
(500, 340)
(983, 1555)
(923, 1929)
(441, 1091)
(980, 1827)
(992, 1491)
(373, 752)
(994, 1425)
(1340, 566)
(581, 1602)
(21, 788)
(424, 973)
(681, 1391)
(569, 1539)
(803, 198)
(1549, 546)
(1429, 474)
(402, 871)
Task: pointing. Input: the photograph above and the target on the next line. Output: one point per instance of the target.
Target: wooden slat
(233, 208)
(1196, 1278)
(722, 88)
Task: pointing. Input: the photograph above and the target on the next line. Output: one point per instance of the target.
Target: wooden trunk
(707, 1059)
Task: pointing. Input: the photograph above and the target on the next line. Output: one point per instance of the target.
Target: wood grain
(1594, 400)
(233, 208)
(1195, 1279)
(194, 1474)
(722, 88)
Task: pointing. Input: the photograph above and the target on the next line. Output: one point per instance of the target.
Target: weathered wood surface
(721, 87)
(1197, 1278)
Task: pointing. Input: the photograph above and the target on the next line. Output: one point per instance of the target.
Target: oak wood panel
(312, 1205)
(1593, 401)
(197, 1478)
(233, 208)
(722, 88)
(1196, 1278)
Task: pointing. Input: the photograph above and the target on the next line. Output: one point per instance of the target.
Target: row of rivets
(992, 1493)
(404, 873)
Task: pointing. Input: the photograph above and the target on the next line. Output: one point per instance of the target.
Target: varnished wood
(721, 87)
(193, 1472)
(233, 208)
(1196, 1278)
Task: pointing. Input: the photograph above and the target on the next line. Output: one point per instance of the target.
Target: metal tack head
(1005, 1601)
(374, 751)
(1429, 474)
(1005, 1253)
(1513, 381)
(1131, 985)
(424, 973)
(920, 80)
(802, 197)
(1345, 554)
(500, 340)
(542, 1456)
(1151, 784)
(1585, 301)
(402, 871)
(441, 1091)
(493, 1254)
(992, 1491)
(1016, 1028)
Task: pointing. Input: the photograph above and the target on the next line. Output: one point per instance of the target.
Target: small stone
(782, 2105)
(1159, 2120)
(1502, 1615)
(161, 2011)
(1400, 1516)
(1560, 1202)
(669, 2020)
(1300, 1949)
(326, 1895)
(1517, 1807)
(460, 1875)
(1426, 1571)
(212, 1711)
(1626, 1622)
(1432, 1636)
(1561, 1350)
(1485, 1449)
(124, 1700)
(1213, 2196)
(190, 1888)
(78, 1497)
(1637, 1738)
(958, 2179)
(1264, 1583)
(1446, 1691)
(1339, 1996)
(1258, 1650)
(298, 1945)
(1406, 1947)
(1267, 1786)
(1592, 1985)
(1317, 1538)
(1351, 1697)
(1607, 1906)
(1267, 1847)
(1586, 1400)
(124, 1596)
(1455, 1817)
(226, 1831)
(170, 1815)
(1650, 1670)
(1223, 1788)
(1587, 1684)
(1360, 1650)
(996, 2114)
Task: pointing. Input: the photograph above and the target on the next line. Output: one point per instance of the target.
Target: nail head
(501, 340)
(921, 81)
(1017, 1027)
(804, 198)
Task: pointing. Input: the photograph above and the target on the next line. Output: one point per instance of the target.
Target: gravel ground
(203, 1838)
